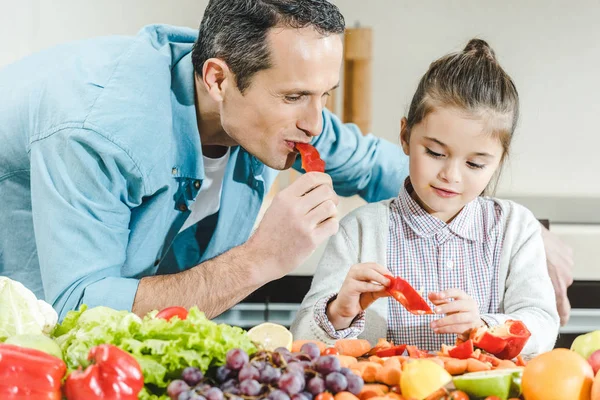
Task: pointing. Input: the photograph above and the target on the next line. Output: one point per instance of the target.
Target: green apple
(38, 342)
(586, 344)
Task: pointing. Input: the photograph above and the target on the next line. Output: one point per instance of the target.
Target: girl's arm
(311, 321)
(528, 295)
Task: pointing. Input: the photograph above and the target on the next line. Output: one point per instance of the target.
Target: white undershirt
(208, 199)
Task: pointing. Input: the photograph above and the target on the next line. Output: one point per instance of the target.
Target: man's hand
(300, 218)
(559, 257)
(364, 284)
(462, 314)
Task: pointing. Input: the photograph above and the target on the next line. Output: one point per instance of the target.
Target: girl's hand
(364, 284)
(462, 314)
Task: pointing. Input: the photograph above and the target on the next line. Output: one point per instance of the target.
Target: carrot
(438, 394)
(297, 345)
(474, 365)
(347, 361)
(394, 396)
(506, 364)
(367, 370)
(353, 347)
(376, 359)
(438, 361)
(454, 366)
(390, 373)
(345, 396)
(371, 390)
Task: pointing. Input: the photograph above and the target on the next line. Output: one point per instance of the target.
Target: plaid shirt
(433, 255)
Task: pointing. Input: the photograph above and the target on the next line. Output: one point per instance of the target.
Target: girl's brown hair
(471, 80)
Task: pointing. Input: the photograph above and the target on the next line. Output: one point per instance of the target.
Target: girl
(480, 259)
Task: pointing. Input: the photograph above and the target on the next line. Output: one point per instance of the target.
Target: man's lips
(292, 144)
(444, 192)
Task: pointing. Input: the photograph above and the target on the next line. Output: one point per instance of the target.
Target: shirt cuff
(320, 312)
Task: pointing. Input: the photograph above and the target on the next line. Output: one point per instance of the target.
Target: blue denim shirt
(101, 158)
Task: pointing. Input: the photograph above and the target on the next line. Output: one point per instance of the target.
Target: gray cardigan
(526, 292)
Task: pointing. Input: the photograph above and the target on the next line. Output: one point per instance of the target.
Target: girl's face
(452, 159)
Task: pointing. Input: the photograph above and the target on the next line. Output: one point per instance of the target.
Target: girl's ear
(404, 135)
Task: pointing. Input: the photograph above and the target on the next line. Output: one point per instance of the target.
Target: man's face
(283, 104)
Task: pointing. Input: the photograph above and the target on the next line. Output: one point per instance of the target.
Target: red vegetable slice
(171, 312)
(402, 291)
(311, 160)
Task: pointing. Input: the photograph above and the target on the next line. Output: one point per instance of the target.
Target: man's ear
(216, 76)
(404, 135)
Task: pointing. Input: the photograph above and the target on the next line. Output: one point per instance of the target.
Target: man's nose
(311, 120)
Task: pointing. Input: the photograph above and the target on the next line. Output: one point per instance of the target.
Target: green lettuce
(162, 348)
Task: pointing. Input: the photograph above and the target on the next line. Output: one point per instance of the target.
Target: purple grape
(278, 395)
(223, 373)
(250, 387)
(214, 394)
(355, 383)
(283, 350)
(236, 358)
(308, 395)
(195, 396)
(248, 372)
(230, 384)
(328, 364)
(184, 395)
(270, 375)
(345, 371)
(295, 367)
(192, 375)
(279, 358)
(301, 396)
(316, 385)
(291, 383)
(203, 387)
(258, 364)
(336, 382)
(311, 349)
(177, 387)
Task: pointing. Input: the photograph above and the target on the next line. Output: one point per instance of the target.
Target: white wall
(550, 47)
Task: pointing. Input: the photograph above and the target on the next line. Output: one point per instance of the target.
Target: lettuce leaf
(162, 348)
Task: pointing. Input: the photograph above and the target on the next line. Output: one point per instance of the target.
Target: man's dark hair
(236, 31)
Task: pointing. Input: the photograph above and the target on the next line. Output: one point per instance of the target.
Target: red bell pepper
(407, 296)
(114, 374)
(29, 374)
(171, 312)
(392, 351)
(462, 351)
(311, 160)
(415, 352)
(504, 341)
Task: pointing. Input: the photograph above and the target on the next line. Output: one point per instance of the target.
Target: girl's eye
(433, 153)
(475, 166)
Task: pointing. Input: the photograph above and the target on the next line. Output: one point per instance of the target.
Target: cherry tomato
(171, 312)
(324, 396)
(458, 395)
(330, 351)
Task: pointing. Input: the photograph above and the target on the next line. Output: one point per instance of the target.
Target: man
(133, 168)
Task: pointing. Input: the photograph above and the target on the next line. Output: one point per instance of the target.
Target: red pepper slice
(171, 312)
(407, 296)
(114, 374)
(311, 159)
(392, 351)
(504, 341)
(415, 352)
(330, 351)
(29, 374)
(462, 351)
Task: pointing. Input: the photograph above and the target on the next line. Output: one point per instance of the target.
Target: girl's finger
(366, 273)
(458, 328)
(454, 319)
(456, 306)
(454, 293)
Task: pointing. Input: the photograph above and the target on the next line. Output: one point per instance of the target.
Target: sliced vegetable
(29, 374)
(402, 291)
(170, 312)
(353, 347)
(462, 351)
(114, 374)
(504, 341)
(311, 159)
(392, 351)
(415, 352)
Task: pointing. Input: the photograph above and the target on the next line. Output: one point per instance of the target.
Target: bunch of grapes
(276, 375)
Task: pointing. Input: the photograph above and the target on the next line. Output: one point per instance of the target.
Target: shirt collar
(466, 224)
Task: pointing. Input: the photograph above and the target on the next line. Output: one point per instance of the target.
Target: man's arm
(360, 164)
(300, 218)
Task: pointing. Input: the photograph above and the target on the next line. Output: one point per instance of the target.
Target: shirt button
(197, 184)
(450, 264)
(183, 207)
(174, 171)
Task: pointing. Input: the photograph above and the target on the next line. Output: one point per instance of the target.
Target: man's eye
(475, 166)
(292, 99)
(433, 153)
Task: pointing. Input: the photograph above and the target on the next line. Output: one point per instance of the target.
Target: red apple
(594, 361)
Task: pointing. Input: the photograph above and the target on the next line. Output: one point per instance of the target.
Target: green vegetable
(38, 342)
(21, 312)
(163, 348)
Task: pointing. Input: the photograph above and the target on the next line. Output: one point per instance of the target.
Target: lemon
(422, 377)
(270, 336)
